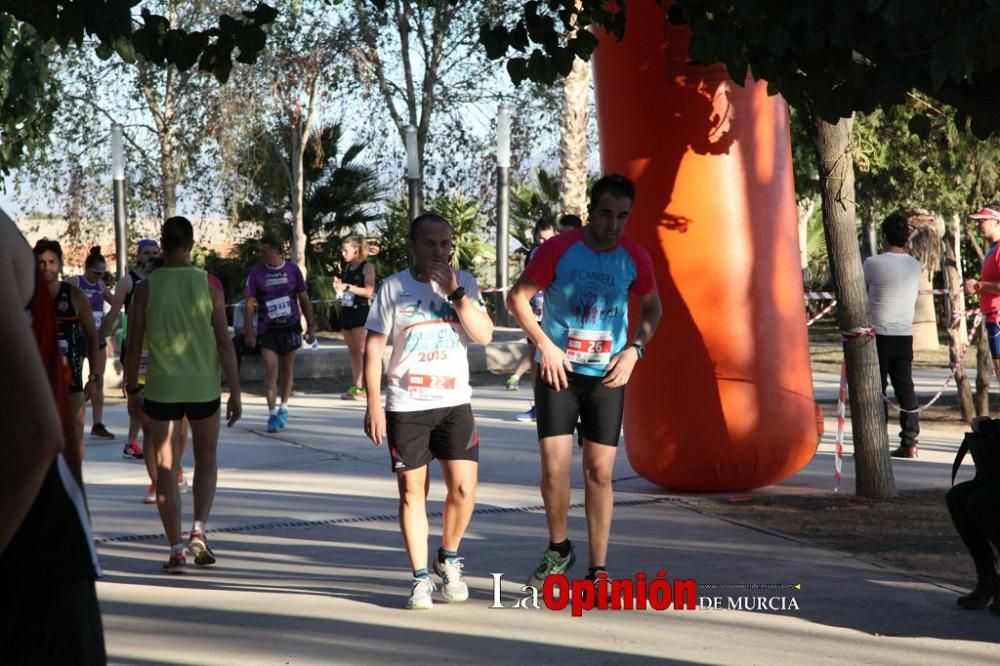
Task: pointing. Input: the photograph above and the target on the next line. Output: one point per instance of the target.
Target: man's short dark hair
(544, 225)
(614, 184)
(896, 229)
(177, 234)
(272, 241)
(419, 220)
(570, 220)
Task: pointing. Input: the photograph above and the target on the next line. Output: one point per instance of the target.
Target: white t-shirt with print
(429, 366)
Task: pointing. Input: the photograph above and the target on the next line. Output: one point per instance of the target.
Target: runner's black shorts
(175, 411)
(598, 407)
(353, 317)
(445, 433)
(281, 340)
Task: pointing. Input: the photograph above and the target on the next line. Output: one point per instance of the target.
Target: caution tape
(823, 295)
(827, 310)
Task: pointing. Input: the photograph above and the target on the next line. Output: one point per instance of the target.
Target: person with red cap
(988, 284)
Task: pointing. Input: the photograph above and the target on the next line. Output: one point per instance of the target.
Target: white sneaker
(420, 595)
(453, 587)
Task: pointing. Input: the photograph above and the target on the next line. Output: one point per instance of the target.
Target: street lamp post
(503, 213)
(413, 172)
(118, 182)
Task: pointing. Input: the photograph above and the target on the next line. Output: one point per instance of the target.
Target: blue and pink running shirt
(586, 296)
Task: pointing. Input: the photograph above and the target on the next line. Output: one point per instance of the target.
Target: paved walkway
(312, 569)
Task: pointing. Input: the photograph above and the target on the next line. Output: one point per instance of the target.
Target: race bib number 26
(589, 347)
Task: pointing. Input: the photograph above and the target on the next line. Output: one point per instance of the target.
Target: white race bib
(64, 348)
(429, 387)
(98, 318)
(347, 299)
(279, 308)
(588, 347)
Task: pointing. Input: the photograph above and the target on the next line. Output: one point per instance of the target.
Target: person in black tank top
(50, 613)
(356, 289)
(77, 339)
(147, 249)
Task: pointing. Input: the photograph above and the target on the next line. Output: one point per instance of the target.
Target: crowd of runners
(176, 346)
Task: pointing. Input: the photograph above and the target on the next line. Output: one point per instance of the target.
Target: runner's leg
(355, 339)
(286, 366)
(270, 377)
(598, 468)
(460, 477)
(557, 456)
(168, 499)
(205, 436)
(73, 453)
(413, 486)
(97, 404)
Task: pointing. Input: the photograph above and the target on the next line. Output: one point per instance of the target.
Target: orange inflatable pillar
(723, 400)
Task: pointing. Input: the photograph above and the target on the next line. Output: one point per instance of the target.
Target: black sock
(421, 573)
(445, 554)
(593, 571)
(561, 548)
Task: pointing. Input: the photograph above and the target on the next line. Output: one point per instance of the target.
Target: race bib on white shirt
(347, 299)
(98, 318)
(430, 387)
(279, 308)
(588, 347)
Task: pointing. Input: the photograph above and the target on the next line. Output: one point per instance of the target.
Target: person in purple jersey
(91, 283)
(585, 357)
(276, 294)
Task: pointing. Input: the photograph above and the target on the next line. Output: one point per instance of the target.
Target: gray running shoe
(551, 563)
(453, 587)
(420, 595)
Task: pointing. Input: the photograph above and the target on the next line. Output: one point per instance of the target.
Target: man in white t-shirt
(893, 279)
(430, 312)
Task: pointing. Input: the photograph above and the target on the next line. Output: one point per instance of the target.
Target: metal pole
(414, 198)
(503, 244)
(118, 182)
(503, 214)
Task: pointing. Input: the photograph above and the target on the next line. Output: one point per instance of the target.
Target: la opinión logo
(619, 594)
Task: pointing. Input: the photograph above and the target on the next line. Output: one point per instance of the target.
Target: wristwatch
(640, 349)
(457, 295)
(134, 389)
(93, 378)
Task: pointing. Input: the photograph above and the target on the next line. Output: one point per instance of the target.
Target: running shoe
(132, 450)
(453, 587)
(420, 595)
(100, 432)
(359, 393)
(182, 483)
(528, 415)
(198, 545)
(282, 417)
(512, 383)
(150, 497)
(551, 563)
(273, 423)
(176, 564)
(348, 394)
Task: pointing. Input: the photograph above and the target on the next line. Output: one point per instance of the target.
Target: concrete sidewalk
(312, 569)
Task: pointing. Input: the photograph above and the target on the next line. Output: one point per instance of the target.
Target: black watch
(457, 295)
(640, 349)
(134, 389)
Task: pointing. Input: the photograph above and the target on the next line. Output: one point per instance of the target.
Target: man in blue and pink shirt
(276, 294)
(585, 358)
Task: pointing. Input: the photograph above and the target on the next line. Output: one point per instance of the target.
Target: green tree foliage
(341, 192)
(531, 202)
(29, 30)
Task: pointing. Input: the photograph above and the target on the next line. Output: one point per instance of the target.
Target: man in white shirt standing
(893, 279)
(430, 313)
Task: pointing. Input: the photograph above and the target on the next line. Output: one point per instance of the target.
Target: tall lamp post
(118, 181)
(503, 213)
(413, 172)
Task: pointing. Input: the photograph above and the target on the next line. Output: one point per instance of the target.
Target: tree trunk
(957, 335)
(873, 471)
(573, 140)
(925, 329)
(297, 195)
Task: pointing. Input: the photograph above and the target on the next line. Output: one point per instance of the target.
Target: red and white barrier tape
(838, 458)
(955, 368)
(823, 295)
(866, 331)
(827, 310)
